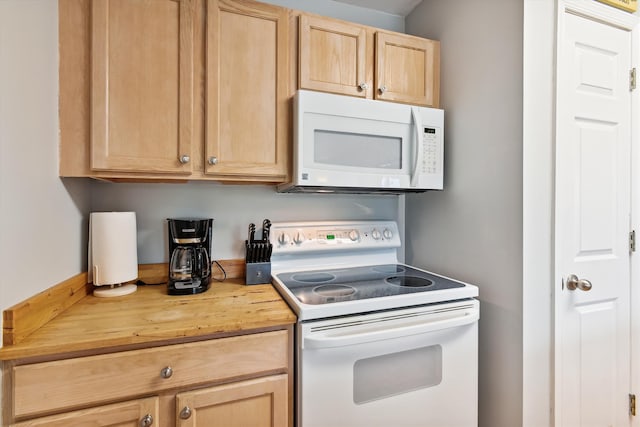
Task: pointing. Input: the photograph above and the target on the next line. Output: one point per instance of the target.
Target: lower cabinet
(134, 413)
(259, 402)
(234, 381)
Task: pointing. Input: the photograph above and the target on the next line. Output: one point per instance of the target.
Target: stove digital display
(331, 236)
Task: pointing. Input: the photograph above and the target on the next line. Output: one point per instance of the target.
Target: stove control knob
(299, 238)
(283, 238)
(375, 234)
(387, 234)
(354, 235)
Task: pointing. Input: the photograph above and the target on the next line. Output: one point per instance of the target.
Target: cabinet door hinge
(632, 404)
(632, 241)
(632, 79)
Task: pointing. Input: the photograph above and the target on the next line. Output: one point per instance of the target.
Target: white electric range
(378, 342)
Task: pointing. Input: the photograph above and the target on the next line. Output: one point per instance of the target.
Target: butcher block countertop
(149, 317)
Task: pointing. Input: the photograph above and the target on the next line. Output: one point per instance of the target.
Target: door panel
(332, 56)
(247, 103)
(592, 223)
(407, 69)
(142, 85)
(258, 402)
(124, 414)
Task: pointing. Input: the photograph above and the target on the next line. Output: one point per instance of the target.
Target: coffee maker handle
(204, 265)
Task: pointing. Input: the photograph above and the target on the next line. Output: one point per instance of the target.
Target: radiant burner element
(313, 277)
(334, 290)
(409, 281)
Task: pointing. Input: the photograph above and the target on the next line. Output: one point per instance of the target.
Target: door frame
(635, 221)
(541, 26)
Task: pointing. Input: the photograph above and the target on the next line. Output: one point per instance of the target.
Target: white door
(593, 143)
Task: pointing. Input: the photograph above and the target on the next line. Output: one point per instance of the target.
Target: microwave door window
(357, 150)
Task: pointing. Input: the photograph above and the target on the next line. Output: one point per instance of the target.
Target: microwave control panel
(430, 152)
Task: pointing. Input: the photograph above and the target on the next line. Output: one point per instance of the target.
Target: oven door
(401, 368)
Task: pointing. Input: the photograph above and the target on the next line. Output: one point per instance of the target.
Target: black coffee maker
(189, 255)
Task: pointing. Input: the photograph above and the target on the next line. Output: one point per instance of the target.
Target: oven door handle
(406, 327)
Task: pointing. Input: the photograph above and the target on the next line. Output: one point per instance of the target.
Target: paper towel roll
(113, 254)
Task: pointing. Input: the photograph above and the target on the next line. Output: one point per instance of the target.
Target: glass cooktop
(358, 283)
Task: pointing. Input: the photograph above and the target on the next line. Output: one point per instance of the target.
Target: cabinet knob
(166, 372)
(184, 159)
(213, 160)
(185, 413)
(363, 86)
(146, 421)
(382, 89)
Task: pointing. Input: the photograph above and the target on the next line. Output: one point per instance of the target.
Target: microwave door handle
(417, 151)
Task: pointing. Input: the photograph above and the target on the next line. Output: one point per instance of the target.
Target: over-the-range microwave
(345, 144)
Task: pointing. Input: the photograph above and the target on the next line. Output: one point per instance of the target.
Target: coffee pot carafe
(189, 256)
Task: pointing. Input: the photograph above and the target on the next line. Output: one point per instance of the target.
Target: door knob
(574, 283)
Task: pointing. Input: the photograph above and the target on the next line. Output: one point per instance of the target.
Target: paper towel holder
(112, 253)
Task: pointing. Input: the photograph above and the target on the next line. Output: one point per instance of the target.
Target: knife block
(258, 273)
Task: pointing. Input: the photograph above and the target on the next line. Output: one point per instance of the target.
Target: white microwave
(344, 144)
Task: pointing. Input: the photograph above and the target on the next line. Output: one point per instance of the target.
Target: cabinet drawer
(83, 381)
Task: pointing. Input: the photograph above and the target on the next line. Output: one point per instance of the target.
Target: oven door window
(396, 373)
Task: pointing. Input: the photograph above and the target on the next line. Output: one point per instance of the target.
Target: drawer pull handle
(166, 372)
(185, 413)
(146, 421)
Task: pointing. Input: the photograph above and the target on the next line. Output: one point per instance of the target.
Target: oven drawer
(85, 381)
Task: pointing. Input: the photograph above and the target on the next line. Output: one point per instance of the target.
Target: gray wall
(473, 229)
(43, 217)
(347, 12)
(232, 208)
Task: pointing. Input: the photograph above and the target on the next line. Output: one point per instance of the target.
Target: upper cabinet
(142, 85)
(176, 90)
(333, 56)
(407, 69)
(350, 59)
(247, 89)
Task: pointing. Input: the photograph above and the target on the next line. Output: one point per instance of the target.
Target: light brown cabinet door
(142, 85)
(332, 56)
(135, 413)
(258, 403)
(407, 69)
(247, 91)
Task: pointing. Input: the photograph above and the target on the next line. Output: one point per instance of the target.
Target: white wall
(473, 229)
(42, 217)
